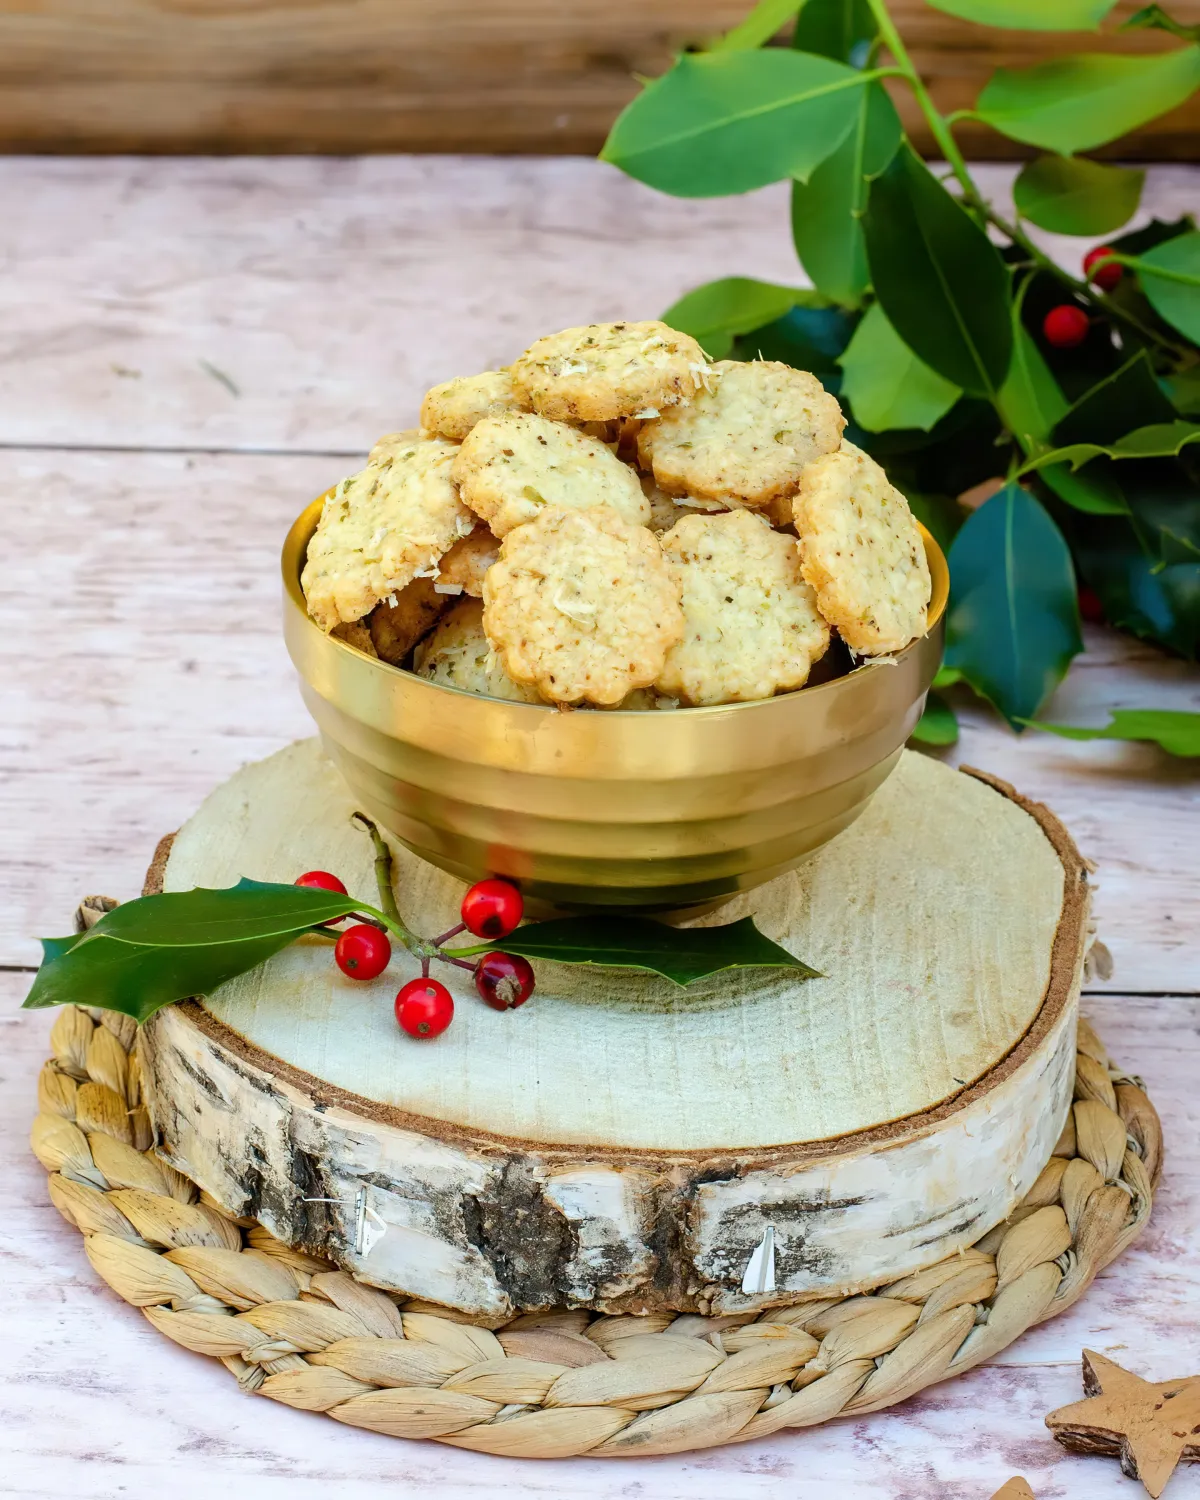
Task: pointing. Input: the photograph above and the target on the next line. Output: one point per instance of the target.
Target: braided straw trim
(549, 1385)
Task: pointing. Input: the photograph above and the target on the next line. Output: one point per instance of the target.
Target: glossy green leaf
(1176, 732)
(1093, 490)
(1159, 602)
(938, 277)
(158, 949)
(1072, 104)
(53, 948)
(809, 337)
(767, 18)
(938, 725)
(886, 384)
(681, 954)
(841, 29)
(1183, 391)
(1013, 624)
(716, 313)
(1069, 195)
(728, 122)
(1127, 399)
(1156, 18)
(1160, 441)
(1170, 277)
(828, 209)
(1030, 399)
(1030, 15)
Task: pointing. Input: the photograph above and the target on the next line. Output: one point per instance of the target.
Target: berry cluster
(1066, 326)
(491, 909)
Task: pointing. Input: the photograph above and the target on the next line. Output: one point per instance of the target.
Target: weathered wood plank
(151, 667)
(94, 1399)
(371, 75)
(331, 294)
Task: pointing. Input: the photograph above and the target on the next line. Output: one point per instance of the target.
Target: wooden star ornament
(1150, 1428)
(1015, 1489)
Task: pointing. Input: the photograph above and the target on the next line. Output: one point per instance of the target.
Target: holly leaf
(1156, 18)
(681, 954)
(938, 277)
(1013, 623)
(827, 210)
(1140, 593)
(809, 337)
(1175, 732)
(714, 314)
(938, 725)
(841, 29)
(1069, 195)
(886, 384)
(1030, 400)
(158, 949)
(1170, 277)
(1030, 15)
(1163, 440)
(1072, 104)
(727, 122)
(1127, 399)
(767, 17)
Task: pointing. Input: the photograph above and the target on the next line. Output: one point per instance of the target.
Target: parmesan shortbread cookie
(358, 635)
(861, 550)
(452, 409)
(747, 438)
(511, 468)
(582, 605)
(751, 622)
(458, 654)
(381, 528)
(665, 509)
(463, 567)
(610, 370)
(398, 623)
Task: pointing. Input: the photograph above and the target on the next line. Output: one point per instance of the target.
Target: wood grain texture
(375, 75)
(96, 1404)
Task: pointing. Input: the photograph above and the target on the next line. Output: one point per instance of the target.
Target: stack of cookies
(615, 522)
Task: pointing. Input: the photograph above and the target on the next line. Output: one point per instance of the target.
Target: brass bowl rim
(300, 533)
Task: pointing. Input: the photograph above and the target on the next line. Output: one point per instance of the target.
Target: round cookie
(861, 550)
(610, 370)
(751, 626)
(511, 468)
(463, 567)
(452, 409)
(383, 527)
(458, 654)
(747, 437)
(582, 605)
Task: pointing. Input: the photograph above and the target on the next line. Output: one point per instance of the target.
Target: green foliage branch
(927, 306)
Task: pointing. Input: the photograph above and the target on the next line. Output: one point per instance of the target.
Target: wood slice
(620, 1143)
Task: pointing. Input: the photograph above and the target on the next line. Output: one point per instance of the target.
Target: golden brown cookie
(582, 606)
(751, 627)
(452, 409)
(458, 654)
(747, 438)
(358, 635)
(461, 570)
(861, 550)
(381, 528)
(398, 624)
(511, 468)
(609, 370)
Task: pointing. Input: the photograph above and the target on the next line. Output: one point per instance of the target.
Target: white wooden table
(189, 351)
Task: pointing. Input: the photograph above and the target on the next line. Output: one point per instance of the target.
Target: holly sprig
(965, 358)
(159, 949)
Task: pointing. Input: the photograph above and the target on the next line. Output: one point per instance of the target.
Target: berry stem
(452, 932)
(390, 914)
(459, 963)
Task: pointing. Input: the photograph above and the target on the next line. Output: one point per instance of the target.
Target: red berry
(424, 1008)
(504, 980)
(363, 951)
(1107, 276)
(1090, 607)
(322, 880)
(492, 909)
(1065, 326)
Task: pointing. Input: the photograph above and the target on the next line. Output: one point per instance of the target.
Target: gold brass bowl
(655, 810)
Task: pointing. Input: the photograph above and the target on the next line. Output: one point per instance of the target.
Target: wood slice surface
(619, 1142)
